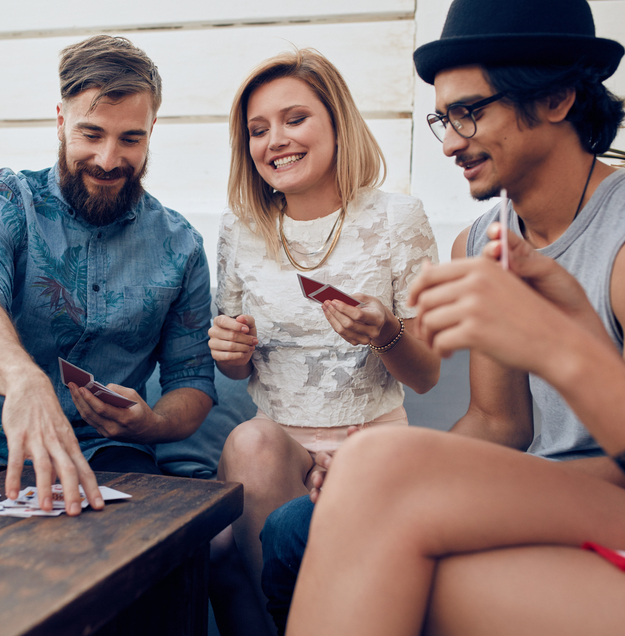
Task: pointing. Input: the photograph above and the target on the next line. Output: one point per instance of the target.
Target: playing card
(314, 290)
(27, 503)
(80, 377)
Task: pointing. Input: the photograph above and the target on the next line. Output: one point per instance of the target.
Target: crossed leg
(396, 501)
(526, 591)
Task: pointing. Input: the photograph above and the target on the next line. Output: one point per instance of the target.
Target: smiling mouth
(467, 163)
(287, 161)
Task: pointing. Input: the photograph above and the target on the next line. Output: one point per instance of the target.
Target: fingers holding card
(320, 292)
(84, 379)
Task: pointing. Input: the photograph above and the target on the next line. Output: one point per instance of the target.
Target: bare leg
(395, 500)
(231, 593)
(273, 469)
(528, 591)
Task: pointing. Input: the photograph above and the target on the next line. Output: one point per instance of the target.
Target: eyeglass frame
(470, 109)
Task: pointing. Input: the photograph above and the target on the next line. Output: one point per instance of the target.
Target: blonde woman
(303, 198)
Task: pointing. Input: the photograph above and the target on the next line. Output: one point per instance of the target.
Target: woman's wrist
(381, 346)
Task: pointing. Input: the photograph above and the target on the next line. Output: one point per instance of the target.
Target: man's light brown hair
(114, 65)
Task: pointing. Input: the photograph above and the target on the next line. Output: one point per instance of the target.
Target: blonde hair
(358, 158)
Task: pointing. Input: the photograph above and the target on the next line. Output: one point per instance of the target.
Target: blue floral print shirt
(113, 300)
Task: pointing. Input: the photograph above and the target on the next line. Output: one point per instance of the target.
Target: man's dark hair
(596, 114)
(112, 64)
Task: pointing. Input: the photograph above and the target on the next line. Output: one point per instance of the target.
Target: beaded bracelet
(620, 460)
(379, 351)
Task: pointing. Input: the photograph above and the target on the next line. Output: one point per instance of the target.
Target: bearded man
(96, 271)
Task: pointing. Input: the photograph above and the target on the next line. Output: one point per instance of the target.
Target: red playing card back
(332, 293)
(308, 285)
(71, 373)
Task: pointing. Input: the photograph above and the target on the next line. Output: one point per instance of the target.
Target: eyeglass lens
(459, 117)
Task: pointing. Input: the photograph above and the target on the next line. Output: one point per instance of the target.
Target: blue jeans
(124, 459)
(284, 539)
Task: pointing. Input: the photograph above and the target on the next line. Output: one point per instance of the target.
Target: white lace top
(305, 374)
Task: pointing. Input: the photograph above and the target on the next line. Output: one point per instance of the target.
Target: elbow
(428, 380)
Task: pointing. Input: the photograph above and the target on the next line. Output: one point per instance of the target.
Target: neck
(305, 207)
(548, 203)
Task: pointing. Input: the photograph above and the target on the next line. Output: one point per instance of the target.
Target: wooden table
(138, 567)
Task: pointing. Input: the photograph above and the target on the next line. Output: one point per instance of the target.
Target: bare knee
(384, 456)
(261, 453)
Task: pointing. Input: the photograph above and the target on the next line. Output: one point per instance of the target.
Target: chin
(486, 192)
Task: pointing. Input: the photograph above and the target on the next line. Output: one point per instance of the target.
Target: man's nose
(453, 142)
(108, 156)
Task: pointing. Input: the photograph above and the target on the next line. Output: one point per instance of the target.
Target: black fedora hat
(518, 32)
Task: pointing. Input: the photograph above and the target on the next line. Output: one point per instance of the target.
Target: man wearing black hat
(528, 113)
(521, 105)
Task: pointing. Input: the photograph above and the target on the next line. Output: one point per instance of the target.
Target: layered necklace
(332, 240)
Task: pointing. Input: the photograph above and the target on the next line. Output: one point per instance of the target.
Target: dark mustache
(99, 173)
(464, 159)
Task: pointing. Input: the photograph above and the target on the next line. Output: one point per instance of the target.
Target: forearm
(178, 414)
(16, 364)
(591, 378)
(501, 407)
(413, 363)
(480, 426)
(235, 372)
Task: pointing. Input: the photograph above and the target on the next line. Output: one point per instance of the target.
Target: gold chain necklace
(334, 230)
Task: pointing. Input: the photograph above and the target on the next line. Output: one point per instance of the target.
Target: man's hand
(175, 416)
(36, 428)
(548, 278)
(134, 424)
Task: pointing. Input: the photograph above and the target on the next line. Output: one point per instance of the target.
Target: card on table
(27, 503)
(82, 378)
(320, 292)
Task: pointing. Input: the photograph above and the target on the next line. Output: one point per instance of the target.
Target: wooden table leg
(175, 606)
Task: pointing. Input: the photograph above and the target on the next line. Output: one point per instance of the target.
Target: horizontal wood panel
(43, 16)
(201, 70)
(189, 165)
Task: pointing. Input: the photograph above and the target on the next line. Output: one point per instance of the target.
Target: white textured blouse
(304, 373)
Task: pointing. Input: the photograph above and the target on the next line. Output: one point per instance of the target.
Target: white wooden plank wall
(204, 49)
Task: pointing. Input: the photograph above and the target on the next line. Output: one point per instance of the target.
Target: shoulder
(169, 220)
(475, 235)
(372, 197)
(399, 209)
(17, 186)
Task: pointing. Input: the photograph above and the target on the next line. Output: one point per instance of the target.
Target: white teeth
(285, 161)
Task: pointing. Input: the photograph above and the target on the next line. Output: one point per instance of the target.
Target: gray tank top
(587, 250)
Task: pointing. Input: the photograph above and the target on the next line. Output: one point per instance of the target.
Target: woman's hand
(232, 341)
(371, 323)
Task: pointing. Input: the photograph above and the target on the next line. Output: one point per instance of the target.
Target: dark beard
(103, 206)
(485, 195)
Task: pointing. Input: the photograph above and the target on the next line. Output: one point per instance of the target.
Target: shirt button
(96, 287)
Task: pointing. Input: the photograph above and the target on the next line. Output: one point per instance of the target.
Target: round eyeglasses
(461, 118)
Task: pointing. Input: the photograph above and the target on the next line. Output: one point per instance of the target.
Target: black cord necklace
(579, 205)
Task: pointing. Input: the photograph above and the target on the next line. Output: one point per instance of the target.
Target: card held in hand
(81, 378)
(320, 292)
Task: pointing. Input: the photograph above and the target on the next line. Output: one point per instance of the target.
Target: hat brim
(517, 50)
